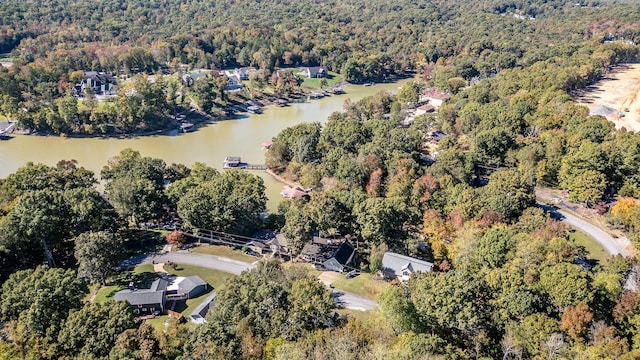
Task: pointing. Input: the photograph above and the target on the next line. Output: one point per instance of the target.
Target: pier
(6, 128)
(235, 162)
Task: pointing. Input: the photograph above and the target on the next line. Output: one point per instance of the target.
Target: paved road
(202, 260)
(342, 298)
(611, 245)
(353, 301)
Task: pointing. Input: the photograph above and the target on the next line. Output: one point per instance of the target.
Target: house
(99, 83)
(233, 83)
(190, 78)
(278, 245)
(154, 299)
(313, 253)
(436, 136)
(187, 287)
(145, 301)
(313, 72)
(294, 192)
(342, 257)
(242, 73)
(396, 266)
(424, 109)
(435, 97)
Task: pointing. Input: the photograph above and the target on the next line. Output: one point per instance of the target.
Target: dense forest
(52, 44)
(509, 280)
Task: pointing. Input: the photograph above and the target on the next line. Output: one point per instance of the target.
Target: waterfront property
(6, 128)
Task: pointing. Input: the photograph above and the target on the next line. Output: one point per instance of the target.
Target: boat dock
(6, 128)
(235, 162)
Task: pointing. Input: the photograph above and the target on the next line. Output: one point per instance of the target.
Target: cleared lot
(616, 97)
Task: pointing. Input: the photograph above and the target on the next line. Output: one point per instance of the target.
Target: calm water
(209, 144)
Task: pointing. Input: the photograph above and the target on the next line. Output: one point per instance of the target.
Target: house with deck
(154, 299)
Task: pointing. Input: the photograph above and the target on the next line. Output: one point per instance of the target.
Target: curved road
(611, 245)
(342, 298)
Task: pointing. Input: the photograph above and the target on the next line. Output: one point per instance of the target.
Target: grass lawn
(215, 278)
(314, 84)
(363, 285)
(6, 57)
(595, 250)
(223, 251)
(364, 316)
(106, 293)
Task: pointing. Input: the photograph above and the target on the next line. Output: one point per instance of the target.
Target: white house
(401, 266)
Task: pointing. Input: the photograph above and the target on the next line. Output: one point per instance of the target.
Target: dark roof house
(100, 83)
(145, 301)
(341, 257)
(401, 267)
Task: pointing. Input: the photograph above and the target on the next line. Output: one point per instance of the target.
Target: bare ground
(618, 90)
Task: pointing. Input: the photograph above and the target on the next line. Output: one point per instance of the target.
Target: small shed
(343, 256)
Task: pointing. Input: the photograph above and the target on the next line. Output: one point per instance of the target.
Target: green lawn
(215, 278)
(364, 316)
(595, 250)
(314, 84)
(363, 285)
(223, 251)
(106, 293)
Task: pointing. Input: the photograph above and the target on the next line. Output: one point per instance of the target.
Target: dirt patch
(617, 92)
(328, 277)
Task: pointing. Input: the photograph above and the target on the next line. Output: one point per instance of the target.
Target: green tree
(508, 193)
(91, 331)
(299, 227)
(232, 202)
(399, 311)
(98, 255)
(588, 187)
(566, 284)
(40, 300)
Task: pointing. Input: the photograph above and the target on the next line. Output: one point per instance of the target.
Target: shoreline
(282, 180)
(204, 118)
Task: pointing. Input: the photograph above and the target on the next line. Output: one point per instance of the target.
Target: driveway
(614, 246)
(342, 298)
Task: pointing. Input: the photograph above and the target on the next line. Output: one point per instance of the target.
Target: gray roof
(202, 309)
(140, 297)
(153, 295)
(189, 283)
(396, 263)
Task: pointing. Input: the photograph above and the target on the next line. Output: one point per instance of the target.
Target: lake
(210, 144)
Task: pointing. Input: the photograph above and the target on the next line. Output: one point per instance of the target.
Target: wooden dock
(255, 167)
